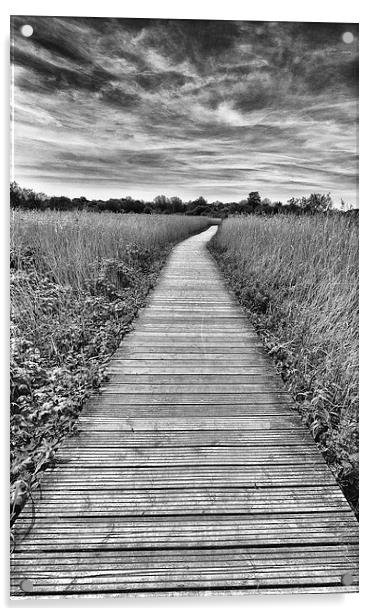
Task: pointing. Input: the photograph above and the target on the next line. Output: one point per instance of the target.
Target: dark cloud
(114, 95)
(329, 71)
(107, 25)
(195, 40)
(161, 80)
(256, 95)
(321, 34)
(148, 106)
(55, 41)
(54, 76)
(147, 159)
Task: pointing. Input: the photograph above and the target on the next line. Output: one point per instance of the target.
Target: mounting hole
(348, 37)
(27, 30)
(347, 579)
(27, 586)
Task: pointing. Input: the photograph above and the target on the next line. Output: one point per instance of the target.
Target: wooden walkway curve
(190, 473)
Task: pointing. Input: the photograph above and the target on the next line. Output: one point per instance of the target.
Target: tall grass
(298, 278)
(77, 281)
(70, 246)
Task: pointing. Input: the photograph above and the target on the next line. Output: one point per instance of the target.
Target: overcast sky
(115, 107)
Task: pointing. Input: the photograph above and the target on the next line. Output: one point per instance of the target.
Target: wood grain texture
(190, 472)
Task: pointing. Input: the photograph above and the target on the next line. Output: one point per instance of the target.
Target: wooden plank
(160, 502)
(166, 558)
(178, 342)
(180, 345)
(174, 456)
(187, 355)
(195, 336)
(176, 352)
(226, 583)
(121, 367)
(194, 388)
(113, 397)
(192, 363)
(192, 423)
(190, 437)
(187, 476)
(102, 533)
(111, 407)
(192, 338)
(189, 379)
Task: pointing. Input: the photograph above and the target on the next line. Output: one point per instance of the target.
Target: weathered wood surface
(190, 471)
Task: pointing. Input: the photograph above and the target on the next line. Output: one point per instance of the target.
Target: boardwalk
(190, 472)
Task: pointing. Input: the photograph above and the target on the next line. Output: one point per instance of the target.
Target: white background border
(271, 10)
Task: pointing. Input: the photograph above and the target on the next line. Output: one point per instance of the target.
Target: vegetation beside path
(78, 280)
(297, 277)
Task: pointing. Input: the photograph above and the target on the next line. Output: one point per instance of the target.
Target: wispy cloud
(108, 107)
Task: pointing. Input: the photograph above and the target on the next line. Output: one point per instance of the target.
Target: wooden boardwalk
(190, 472)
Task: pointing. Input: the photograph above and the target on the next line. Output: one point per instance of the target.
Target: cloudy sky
(114, 107)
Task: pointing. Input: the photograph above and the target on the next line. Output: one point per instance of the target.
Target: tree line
(26, 198)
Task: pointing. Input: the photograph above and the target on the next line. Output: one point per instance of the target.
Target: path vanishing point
(191, 472)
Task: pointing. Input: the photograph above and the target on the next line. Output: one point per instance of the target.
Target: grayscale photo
(184, 234)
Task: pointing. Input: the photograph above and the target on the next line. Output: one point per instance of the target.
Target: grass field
(77, 281)
(298, 278)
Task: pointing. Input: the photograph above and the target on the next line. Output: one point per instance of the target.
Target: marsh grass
(77, 281)
(298, 279)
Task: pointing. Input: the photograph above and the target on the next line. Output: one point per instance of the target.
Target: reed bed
(77, 281)
(297, 277)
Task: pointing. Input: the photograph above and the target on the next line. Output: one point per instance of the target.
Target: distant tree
(59, 203)
(266, 206)
(176, 205)
(278, 207)
(162, 203)
(200, 201)
(237, 208)
(316, 203)
(26, 198)
(216, 209)
(198, 210)
(254, 201)
(138, 206)
(127, 204)
(15, 195)
(293, 205)
(243, 207)
(110, 205)
(79, 203)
